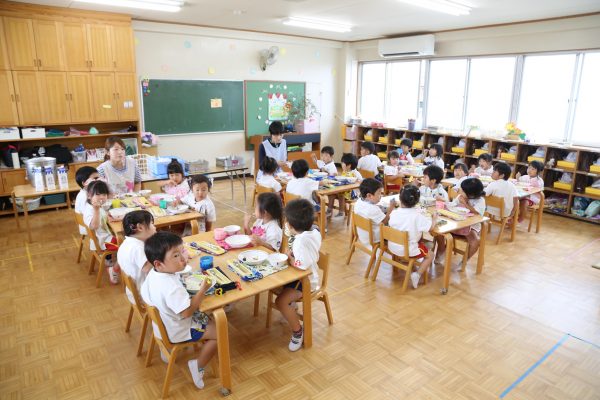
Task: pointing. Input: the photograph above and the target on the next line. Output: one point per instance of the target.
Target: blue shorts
(196, 334)
(296, 285)
(317, 207)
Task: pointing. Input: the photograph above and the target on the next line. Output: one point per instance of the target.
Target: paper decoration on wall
(232, 46)
(277, 109)
(187, 44)
(164, 68)
(216, 103)
(211, 70)
(283, 51)
(285, 87)
(260, 99)
(145, 86)
(136, 41)
(267, 121)
(258, 117)
(333, 72)
(270, 87)
(317, 54)
(252, 71)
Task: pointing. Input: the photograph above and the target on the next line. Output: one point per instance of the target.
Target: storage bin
(79, 156)
(592, 190)
(382, 155)
(349, 132)
(532, 158)
(479, 152)
(33, 133)
(562, 185)
(383, 139)
(51, 199)
(369, 138)
(158, 165)
(417, 144)
(9, 133)
(32, 204)
(595, 168)
(508, 157)
(460, 150)
(565, 164)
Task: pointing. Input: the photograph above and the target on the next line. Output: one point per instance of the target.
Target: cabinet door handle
(67, 96)
(17, 97)
(35, 62)
(39, 62)
(115, 64)
(71, 96)
(91, 63)
(12, 97)
(117, 94)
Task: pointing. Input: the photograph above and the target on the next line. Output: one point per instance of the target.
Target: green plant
(300, 109)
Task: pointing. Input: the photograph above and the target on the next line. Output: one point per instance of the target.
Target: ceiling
(370, 18)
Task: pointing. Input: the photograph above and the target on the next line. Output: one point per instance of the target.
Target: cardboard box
(33, 133)
(532, 158)
(563, 186)
(508, 157)
(595, 168)
(9, 133)
(592, 190)
(459, 150)
(565, 164)
(479, 152)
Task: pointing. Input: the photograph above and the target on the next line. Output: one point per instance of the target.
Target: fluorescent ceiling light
(317, 24)
(445, 6)
(157, 5)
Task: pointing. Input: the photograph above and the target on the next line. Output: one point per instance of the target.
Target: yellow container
(562, 185)
(479, 152)
(383, 139)
(592, 190)
(368, 138)
(418, 144)
(460, 150)
(532, 158)
(508, 156)
(382, 155)
(397, 141)
(595, 168)
(565, 164)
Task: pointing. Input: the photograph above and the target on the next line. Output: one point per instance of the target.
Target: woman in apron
(121, 173)
(274, 147)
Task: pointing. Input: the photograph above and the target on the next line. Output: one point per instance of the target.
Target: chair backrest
(389, 180)
(452, 193)
(132, 286)
(154, 315)
(263, 189)
(323, 264)
(495, 202)
(79, 219)
(287, 197)
(365, 173)
(395, 236)
(90, 232)
(358, 221)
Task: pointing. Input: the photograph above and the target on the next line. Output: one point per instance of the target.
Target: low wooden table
(191, 217)
(323, 193)
(29, 192)
(248, 290)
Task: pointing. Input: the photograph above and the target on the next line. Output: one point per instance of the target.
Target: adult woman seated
(121, 173)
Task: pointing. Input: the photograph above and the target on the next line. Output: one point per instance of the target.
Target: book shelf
(388, 139)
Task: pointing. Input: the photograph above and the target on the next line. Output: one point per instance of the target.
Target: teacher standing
(274, 147)
(121, 173)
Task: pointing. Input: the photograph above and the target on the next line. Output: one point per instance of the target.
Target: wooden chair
(79, 221)
(138, 309)
(165, 345)
(287, 197)
(258, 189)
(536, 210)
(464, 252)
(97, 255)
(498, 203)
(360, 222)
(365, 173)
(452, 193)
(389, 180)
(405, 262)
(319, 294)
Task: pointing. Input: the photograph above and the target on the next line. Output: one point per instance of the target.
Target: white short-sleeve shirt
(132, 258)
(504, 189)
(370, 211)
(306, 254)
(204, 206)
(303, 187)
(270, 232)
(536, 181)
(413, 221)
(330, 168)
(80, 202)
(479, 206)
(166, 292)
(434, 161)
(484, 172)
(269, 181)
(370, 162)
(429, 192)
(103, 232)
(390, 170)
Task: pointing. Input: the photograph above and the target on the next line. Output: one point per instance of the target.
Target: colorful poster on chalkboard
(277, 107)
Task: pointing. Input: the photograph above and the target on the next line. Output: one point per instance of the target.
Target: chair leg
(100, 270)
(538, 223)
(465, 257)
(81, 238)
(129, 319)
(92, 262)
(352, 249)
(256, 304)
(150, 352)
(501, 231)
(371, 261)
(376, 271)
(406, 278)
(328, 308)
(170, 368)
(269, 308)
(142, 336)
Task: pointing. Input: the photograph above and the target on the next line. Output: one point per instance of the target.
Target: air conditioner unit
(410, 46)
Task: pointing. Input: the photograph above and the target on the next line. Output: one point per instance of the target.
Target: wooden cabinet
(105, 96)
(21, 43)
(74, 38)
(48, 45)
(28, 96)
(80, 96)
(55, 95)
(4, 64)
(126, 86)
(8, 102)
(123, 49)
(12, 178)
(100, 47)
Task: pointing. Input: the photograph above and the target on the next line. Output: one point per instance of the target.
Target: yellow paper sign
(216, 103)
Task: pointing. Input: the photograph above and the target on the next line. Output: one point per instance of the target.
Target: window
(587, 117)
(403, 91)
(490, 91)
(446, 93)
(372, 93)
(545, 94)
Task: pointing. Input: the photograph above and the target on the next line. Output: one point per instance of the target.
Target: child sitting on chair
(84, 176)
(304, 255)
(198, 199)
(532, 179)
(268, 166)
(370, 195)
(266, 230)
(179, 312)
(302, 185)
(326, 163)
(502, 187)
(176, 185)
(431, 185)
(405, 146)
(369, 161)
(349, 164)
(461, 172)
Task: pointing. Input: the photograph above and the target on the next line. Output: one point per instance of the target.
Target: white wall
(170, 51)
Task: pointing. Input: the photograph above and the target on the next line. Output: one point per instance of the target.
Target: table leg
(14, 203)
(307, 312)
(223, 350)
(447, 262)
(243, 179)
(481, 253)
(68, 199)
(26, 213)
(322, 215)
(230, 175)
(540, 212)
(195, 227)
(513, 228)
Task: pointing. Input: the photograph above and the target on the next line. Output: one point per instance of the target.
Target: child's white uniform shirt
(369, 162)
(80, 201)
(477, 204)
(179, 191)
(306, 254)
(303, 187)
(390, 170)
(460, 180)
(270, 232)
(370, 211)
(166, 292)
(103, 232)
(413, 221)
(484, 172)
(329, 168)
(504, 189)
(132, 258)
(434, 161)
(438, 190)
(204, 206)
(269, 181)
(536, 181)
(408, 157)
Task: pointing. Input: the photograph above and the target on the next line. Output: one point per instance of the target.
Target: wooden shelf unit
(353, 135)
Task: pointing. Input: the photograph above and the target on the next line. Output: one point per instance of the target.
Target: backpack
(7, 154)
(61, 153)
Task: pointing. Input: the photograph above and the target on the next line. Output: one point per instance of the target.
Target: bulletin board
(192, 106)
(265, 102)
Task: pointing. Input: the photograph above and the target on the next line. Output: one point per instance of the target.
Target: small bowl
(145, 192)
(220, 234)
(278, 260)
(231, 230)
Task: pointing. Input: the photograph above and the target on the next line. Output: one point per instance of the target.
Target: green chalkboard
(264, 100)
(184, 106)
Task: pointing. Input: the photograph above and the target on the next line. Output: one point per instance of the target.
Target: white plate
(188, 268)
(459, 210)
(238, 241)
(180, 209)
(119, 213)
(197, 277)
(253, 257)
(320, 174)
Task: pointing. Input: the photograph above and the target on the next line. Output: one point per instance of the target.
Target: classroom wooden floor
(61, 338)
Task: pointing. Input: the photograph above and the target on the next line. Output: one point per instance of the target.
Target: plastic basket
(198, 166)
(32, 204)
(158, 165)
(79, 156)
(142, 162)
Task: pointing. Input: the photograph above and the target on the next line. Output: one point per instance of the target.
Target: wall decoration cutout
(211, 70)
(283, 51)
(145, 86)
(187, 44)
(164, 68)
(277, 106)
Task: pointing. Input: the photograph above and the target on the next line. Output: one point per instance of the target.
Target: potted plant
(302, 115)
